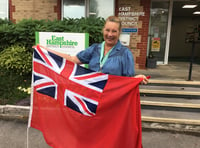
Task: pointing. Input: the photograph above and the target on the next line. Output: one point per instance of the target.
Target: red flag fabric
(76, 108)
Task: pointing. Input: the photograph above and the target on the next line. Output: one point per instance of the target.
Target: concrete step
(163, 88)
(174, 83)
(171, 102)
(170, 93)
(176, 125)
(168, 109)
(165, 113)
(174, 88)
(170, 99)
(170, 120)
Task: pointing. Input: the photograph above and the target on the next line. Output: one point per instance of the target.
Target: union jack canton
(61, 79)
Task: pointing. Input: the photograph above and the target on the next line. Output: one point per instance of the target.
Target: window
(4, 9)
(74, 8)
(101, 8)
(83, 8)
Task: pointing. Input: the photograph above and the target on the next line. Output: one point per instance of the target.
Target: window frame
(7, 10)
(87, 6)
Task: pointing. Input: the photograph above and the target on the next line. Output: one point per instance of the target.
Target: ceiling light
(189, 6)
(196, 12)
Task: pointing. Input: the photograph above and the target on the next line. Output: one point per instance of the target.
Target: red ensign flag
(77, 108)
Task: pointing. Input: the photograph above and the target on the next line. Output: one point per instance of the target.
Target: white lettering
(121, 14)
(128, 18)
(129, 23)
(124, 8)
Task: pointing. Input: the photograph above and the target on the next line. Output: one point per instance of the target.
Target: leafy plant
(16, 58)
(10, 82)
(5, 21)
(16, 50)
(24, 32)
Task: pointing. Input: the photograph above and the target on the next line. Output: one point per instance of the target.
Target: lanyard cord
(103, 58)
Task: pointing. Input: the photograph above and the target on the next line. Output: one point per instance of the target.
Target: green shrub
(10, 84)
(6, 36)
(93, 26)
(5, 21)
(16, 41)
(24, 32)
(16, 58)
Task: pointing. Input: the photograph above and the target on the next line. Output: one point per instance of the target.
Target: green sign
(69, 43)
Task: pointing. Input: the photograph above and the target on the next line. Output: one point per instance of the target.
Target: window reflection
(98, 8)
(74, 9)
(101, 8)
(158, 27)
(4, 9)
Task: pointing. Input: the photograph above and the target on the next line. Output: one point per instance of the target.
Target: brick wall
(135, 14)
(51, 9)
(35, 9)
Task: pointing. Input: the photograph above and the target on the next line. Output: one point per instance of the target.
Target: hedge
(24, 32)
(17, 39)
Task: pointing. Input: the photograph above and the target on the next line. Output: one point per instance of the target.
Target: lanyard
(103, 58)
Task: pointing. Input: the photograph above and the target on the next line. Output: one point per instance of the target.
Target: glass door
(158, 29)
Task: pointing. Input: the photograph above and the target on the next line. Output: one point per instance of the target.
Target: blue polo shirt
(120, 60)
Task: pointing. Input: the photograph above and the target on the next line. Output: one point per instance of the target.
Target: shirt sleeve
(128, 68)
(85, 55)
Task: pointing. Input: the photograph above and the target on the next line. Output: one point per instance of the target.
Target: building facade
(148, 26)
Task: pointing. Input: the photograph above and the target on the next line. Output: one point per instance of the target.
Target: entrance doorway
(169, 24)
(183, 22)
(158, 27)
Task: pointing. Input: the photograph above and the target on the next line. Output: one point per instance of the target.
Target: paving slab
(174, 70)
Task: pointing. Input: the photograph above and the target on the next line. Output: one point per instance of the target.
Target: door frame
(166, 54)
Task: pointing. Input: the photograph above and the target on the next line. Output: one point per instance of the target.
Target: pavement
(173, 71)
